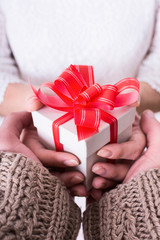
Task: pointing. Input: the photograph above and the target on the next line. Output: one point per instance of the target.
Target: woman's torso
(47, 36)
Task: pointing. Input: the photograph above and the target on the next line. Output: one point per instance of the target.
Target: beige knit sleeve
(131, 211)
(33, 203)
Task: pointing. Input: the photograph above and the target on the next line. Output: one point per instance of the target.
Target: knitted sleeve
(8, 69)
(131, 211)
(149, 70)
(33, 203)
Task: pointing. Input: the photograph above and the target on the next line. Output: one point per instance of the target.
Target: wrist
(149, 98)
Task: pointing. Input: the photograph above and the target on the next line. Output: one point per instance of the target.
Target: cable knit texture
(33, 203)
(129, 212)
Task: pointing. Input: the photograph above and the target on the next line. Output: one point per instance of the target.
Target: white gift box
(85, 150)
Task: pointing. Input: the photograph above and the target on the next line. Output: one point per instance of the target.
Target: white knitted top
(120, 38)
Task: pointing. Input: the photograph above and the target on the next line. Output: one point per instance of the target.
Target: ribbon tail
(129, 97)
(84, 133)
(33, 89)
(112, 121)
(55, 129)
(87, 73)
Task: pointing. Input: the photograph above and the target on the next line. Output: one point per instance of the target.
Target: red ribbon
(85, 101)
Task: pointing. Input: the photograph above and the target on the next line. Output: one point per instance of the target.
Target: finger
(49, 158)
(52, 158)
(32, 103)
(14, 145)
(70, 178)
(10, 134)
(126, 150)
(116, 172)
(21, 148)
(103, 183)
(96, 193)
(15, 122)
(78, 190)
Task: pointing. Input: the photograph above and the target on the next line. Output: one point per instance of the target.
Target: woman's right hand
(57, 162)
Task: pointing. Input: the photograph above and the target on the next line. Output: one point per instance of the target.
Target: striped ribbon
(76, 93)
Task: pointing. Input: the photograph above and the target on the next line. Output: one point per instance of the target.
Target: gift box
(86, 149)
(81, 116)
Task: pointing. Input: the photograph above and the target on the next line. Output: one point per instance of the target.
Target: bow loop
(108, 97)
(70, 83)
(89, 94)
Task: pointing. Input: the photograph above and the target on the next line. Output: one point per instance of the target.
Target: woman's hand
(57, 162)
(151, 157)
(32, 103)
(17, 134)
(10, 132)
(119, 159)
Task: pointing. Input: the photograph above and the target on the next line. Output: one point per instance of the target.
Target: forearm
(130, 211)
(29, 193)
(14, 99)
(149, 98)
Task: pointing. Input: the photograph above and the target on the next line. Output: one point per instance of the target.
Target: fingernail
(104, 153)
(99, 170)
(77, 179)
(71, 163)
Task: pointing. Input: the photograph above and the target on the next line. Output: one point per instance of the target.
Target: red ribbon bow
(85, 101)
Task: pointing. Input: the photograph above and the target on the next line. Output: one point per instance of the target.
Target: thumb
(14, 123)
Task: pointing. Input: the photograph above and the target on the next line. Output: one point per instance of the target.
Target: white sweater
(120, 38)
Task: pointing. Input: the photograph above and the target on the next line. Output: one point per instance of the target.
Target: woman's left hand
(119, 159)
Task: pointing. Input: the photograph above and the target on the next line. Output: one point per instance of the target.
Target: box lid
(44, 117)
